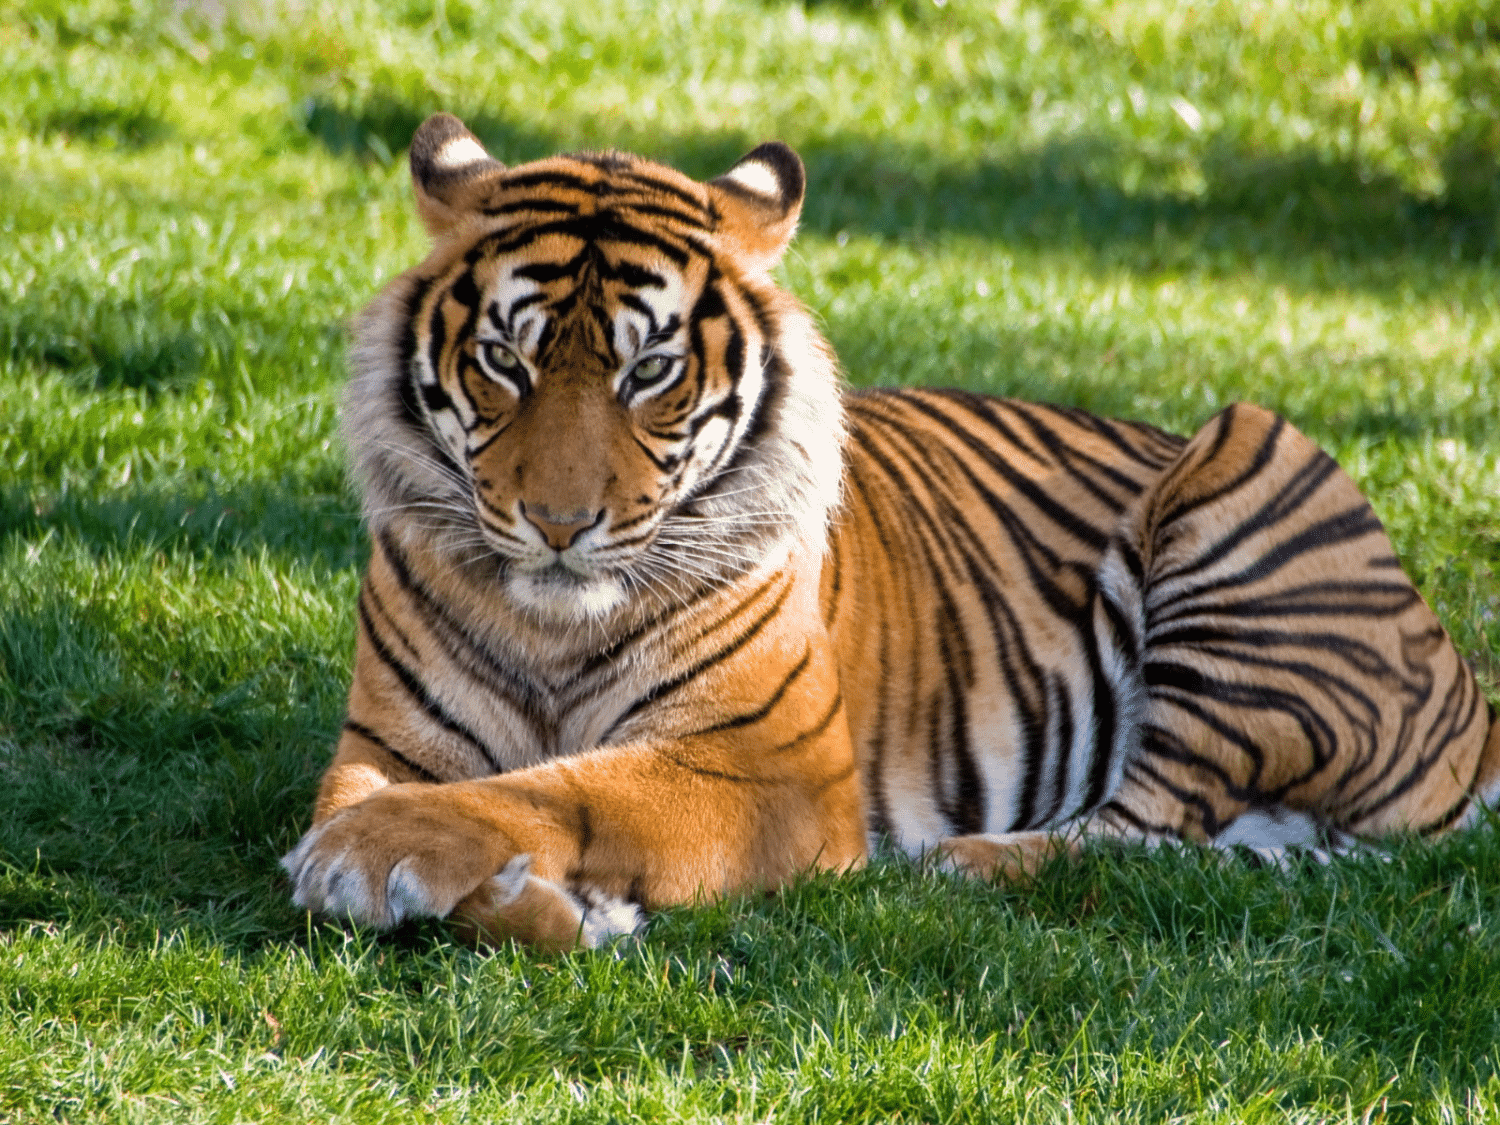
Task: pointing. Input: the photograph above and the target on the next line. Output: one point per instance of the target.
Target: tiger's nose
(558, 529)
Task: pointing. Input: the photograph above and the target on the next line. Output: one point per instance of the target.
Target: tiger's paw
(397, 854)
(1278, 837)
(541, 913)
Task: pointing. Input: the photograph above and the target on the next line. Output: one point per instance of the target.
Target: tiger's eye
(499, 357)
(650, 370)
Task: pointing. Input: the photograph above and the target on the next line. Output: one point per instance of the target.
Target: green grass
(1134, 206)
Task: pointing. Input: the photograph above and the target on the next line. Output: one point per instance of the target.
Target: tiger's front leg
(530, 854)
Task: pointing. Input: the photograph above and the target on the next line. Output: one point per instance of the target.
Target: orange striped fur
(656, 610)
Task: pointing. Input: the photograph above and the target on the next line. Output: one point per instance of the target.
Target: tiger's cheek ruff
(396, 459)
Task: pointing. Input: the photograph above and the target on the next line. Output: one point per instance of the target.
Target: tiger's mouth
(563, 574)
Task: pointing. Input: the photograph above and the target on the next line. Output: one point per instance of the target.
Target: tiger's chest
(495, 691)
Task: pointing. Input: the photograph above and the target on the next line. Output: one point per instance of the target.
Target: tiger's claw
(376, 864)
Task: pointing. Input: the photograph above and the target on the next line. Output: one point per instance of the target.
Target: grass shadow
(380, 128)
(137, 343)
(291, 518)
(105, 125)
(119, 355)
(140, 792)
(1255, 208)
(154, 768)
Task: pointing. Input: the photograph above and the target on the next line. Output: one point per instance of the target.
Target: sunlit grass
(1145, 209)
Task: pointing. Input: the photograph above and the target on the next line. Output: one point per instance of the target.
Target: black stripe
(1127, 638)
(984, 410)
(666, 687)
(531, 203)
(414, 687)
(1165, 447)
(1418, 765)
(478, 451)
(1262, 458)
(815, 731)
(367, 591)
(1346, 527)
(608, 656)
(370, 736)
(879, 811)
(1187, 797)
(408, 398)
(1317, 599)
(1134, 820)
(1282, 503)
(656, 184)
(544, 272)
(831, 566)
(663, 464)
(589, 230)
(420, 287)
(461, 644)
(553, 179)
(465, 292)
(613, 228)
(635, 304)
(966, 812)
(516, 308)
(656, 211)
(1017, 664)
(1063, 706)
(1433, 828)
(637, 277)
(1131, 557)
(1105, 726)
(765, 411)
(761, 712)
(1036, 554)
(435, 398)
(1069, 457)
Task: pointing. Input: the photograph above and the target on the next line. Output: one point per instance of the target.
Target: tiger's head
(592, 384)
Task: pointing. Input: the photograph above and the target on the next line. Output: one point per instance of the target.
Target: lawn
(1140, 207)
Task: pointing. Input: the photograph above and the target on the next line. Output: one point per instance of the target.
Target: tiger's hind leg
(1298, 696)
(1006, 856)
(1289, 665)
(1272, 836)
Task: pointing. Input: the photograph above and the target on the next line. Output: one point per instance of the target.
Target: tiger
(657, 610)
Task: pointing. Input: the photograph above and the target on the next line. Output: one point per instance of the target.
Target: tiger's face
(598, 383)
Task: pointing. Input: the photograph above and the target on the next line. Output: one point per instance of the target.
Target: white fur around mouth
(564, 595)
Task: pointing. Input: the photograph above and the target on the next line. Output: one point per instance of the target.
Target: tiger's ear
(759, 200)
(449, 170)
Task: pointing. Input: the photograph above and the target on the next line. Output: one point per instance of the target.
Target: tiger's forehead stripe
(589, 189)
(610, 227)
